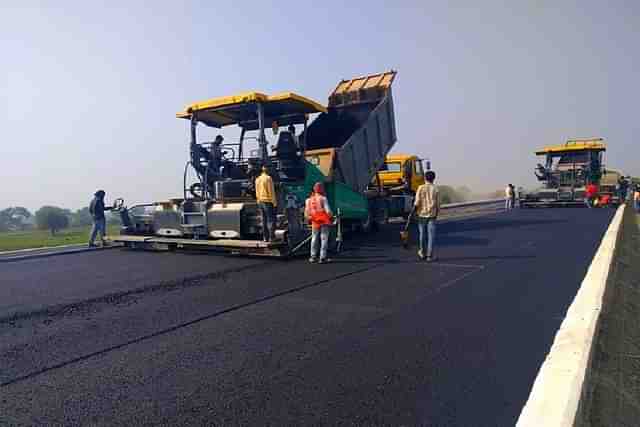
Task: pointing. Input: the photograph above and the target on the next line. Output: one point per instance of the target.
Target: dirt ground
(615, 378)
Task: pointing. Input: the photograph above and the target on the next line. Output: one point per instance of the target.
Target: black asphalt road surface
(375, 338)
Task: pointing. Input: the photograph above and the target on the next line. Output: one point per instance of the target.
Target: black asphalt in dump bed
(375, 338)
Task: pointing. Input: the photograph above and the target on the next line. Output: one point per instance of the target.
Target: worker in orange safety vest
(318, 213)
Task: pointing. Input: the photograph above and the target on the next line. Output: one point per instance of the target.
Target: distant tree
(464, 193)
(81, 218)
(498, 194)
(5, 218)
(52, 218)
(14, 218)
(449, 195)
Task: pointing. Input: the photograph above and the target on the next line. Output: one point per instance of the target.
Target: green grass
(16, 240)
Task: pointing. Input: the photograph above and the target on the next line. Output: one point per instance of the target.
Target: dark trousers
(268, 219)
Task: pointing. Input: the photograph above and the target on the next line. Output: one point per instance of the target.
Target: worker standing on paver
(292, 131)
(267, 202)
(97, 208)
(318, 213)
(590, 194)
(427, 207)
(508, 197)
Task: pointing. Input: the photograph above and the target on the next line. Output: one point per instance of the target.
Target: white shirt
(427, 201)
(508, 192)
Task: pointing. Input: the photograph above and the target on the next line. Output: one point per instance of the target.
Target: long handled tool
(404, 234)
(339, 232)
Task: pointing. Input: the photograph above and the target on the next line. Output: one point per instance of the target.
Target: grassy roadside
(17, 240)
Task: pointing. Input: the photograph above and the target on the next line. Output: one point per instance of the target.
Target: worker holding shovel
(426, 207)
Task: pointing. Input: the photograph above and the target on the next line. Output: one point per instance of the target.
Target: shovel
(404, 234)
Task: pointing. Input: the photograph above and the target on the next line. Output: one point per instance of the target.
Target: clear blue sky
(88, 92)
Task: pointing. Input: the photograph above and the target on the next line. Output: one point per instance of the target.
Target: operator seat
(290, 159)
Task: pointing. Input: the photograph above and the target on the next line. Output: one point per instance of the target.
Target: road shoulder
(615, 396)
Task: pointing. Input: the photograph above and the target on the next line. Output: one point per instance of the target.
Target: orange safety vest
(317, 214)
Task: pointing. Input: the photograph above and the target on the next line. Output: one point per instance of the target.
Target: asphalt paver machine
(567, 170)
(343, 148)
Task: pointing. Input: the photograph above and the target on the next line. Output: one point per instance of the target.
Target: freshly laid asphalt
(138, 338)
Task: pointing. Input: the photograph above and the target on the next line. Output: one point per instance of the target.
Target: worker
(318, 213)
(215, 165)
(622, 188)
(519, 193)
(427, 207)
(513, 196)
(266, 197)
(97, 208)
(590, 195)
(636, 198)
(296, 138)
(508, 197)
(604, 200)
(292, 131)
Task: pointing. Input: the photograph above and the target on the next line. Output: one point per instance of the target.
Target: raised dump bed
(359, 126)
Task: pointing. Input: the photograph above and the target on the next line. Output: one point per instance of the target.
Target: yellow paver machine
(343, 147)
(567, 170)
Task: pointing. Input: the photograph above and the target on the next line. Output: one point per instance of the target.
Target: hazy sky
(89, 90)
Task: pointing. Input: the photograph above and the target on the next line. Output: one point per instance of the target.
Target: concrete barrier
(559, 391)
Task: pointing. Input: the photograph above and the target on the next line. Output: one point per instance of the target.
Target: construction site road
(376, 337)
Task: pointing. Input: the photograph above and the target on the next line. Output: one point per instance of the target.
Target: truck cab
(401, 174)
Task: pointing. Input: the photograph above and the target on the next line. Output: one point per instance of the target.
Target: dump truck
(343, 147)
(399, 178)
(567, 170)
